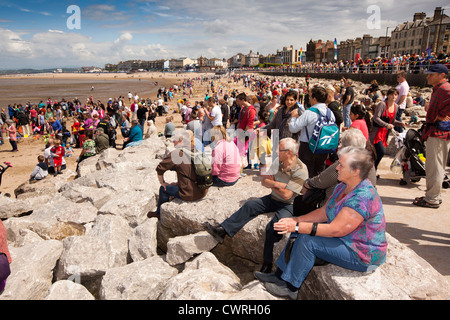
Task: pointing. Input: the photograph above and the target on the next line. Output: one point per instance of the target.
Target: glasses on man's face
(283, 150)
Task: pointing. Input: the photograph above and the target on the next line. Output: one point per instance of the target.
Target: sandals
(421, 202)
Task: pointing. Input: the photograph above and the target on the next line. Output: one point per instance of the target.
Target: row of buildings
(411, 37)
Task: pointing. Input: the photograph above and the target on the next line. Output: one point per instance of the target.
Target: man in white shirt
(403, 89)
(213, 112)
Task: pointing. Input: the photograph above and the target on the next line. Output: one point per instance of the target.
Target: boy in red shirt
(58, 154)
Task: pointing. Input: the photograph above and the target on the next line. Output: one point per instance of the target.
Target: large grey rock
(181, 249)
(68, 290)
(32, 270)
(95, 196)
(47, 186)
(58, 219)
(205, 278)
(131, 205)
(103, 247)
(142, 243)
(142, 280)
(404, 276)
(12, 207)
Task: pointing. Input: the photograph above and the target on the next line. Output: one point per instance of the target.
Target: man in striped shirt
(437, 137)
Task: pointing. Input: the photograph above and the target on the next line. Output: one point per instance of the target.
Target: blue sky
(34, 34)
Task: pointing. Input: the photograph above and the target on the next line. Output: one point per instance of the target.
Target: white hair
(353, 138)
(290, 144)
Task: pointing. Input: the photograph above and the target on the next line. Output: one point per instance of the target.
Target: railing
(415, 67)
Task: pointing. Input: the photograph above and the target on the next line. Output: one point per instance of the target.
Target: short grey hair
(353, 138)
(290, 144)
(101, 130)
(359, 159)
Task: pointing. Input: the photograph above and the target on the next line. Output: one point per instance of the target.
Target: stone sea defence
(90, 238)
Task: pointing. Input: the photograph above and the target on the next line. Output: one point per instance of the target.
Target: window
(412, 43)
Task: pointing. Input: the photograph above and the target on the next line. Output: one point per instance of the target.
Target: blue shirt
(56, 126)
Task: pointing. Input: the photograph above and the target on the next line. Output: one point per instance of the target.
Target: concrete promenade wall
(414, 80)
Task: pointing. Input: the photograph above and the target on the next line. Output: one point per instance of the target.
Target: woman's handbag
(443, 125)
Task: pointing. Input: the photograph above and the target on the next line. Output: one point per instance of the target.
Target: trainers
(268, 277)
(218, 233)
(281, 290)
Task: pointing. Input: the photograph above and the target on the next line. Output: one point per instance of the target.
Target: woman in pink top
(12, 131)
(358, 115)
(226, 161)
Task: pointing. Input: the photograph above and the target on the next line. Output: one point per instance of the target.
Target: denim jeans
(253, 208)
(381, 151)
(346, 114)
(217, 182)
(304, 252)
(398, 117)
(164, 195)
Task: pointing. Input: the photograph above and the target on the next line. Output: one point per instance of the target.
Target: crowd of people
(327, 202)
(410, 63)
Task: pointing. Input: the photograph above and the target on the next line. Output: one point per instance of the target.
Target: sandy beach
(426, 231)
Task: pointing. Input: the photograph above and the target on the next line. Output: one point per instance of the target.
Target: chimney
(437, 13)
(419, 16)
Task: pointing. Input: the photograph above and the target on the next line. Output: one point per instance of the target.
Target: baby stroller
(410, 158)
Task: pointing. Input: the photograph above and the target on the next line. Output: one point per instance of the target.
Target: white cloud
(154, 29)
(124, 38)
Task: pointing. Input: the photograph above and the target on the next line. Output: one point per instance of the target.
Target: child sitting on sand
(40, 171)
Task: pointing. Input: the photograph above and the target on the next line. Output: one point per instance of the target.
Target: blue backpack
(325, 138)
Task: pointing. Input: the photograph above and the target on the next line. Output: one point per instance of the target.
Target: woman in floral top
(349, 231)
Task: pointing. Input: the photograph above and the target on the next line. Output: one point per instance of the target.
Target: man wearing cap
(437, 136)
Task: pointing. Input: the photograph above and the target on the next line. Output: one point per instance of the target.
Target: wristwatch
(296, 227)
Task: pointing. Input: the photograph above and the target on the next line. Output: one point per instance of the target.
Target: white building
(218, 63)
(180, 63)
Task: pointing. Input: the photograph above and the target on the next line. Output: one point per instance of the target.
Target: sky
(45, 34)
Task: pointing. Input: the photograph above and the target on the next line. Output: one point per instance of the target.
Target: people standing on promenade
(403, 90)
(436, 135)
(347, 101)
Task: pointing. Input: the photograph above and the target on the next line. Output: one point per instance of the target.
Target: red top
(439, 106)
(3, 243)
(247, 118)
(382, 132)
